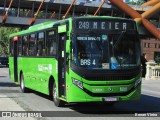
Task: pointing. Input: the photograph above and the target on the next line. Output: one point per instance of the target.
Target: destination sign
(105, 25)
(88, 38)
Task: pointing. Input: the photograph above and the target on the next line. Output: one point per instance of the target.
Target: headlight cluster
(77, 83)
(138, 81)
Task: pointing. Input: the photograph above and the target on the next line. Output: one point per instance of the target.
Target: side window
(32, 45)
(51, 43)
(19, 46)
(25, 45)
(41, 44)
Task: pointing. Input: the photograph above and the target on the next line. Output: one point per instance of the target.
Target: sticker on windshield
(88, 38)
(105, 65)
(104, 37)
(87, 62)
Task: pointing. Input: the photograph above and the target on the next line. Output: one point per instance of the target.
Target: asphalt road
(147, 106)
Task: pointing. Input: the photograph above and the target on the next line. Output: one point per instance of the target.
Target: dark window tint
(11, 47)
(25, 45)
(41, 44)
(19, 47)
(51, 43)
(32, 45)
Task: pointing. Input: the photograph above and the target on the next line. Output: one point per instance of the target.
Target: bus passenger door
(62, 64)
(15, 55)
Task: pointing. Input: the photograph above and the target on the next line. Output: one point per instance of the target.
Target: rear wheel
(57, 102)
(22, 85)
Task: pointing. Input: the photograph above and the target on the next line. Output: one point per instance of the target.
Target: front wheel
(57, 102)
(22, 85)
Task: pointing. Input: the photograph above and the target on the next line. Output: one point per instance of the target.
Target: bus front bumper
(75, 94)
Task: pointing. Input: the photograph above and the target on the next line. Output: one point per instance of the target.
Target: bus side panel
(37, 72)
(40, 67)
(11, 68)
(28, 66)
(46, 67)
(20, 68)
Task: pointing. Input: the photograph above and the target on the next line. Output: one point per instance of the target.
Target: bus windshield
(106, 51)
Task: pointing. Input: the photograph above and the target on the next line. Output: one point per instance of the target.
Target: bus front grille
(110, 78)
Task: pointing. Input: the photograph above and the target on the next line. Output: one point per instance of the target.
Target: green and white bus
(81, 59)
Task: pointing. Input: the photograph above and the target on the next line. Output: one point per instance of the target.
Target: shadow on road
(2, 76)
(3, 66)
(8, 84)
(144, 105)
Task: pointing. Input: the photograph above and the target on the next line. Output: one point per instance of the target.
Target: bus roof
(50, 24)
(37, 27)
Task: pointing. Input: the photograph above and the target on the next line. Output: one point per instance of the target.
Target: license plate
(110, 99)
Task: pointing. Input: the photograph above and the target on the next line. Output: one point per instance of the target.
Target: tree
(4, 39)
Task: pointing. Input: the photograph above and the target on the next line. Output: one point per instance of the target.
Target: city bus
(81, 59)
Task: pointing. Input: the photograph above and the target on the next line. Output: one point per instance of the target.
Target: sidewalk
(7, 104)
(150, 78)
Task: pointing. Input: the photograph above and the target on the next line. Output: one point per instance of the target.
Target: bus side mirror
(68, 44)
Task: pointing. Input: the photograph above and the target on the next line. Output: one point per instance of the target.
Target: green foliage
(4, 38)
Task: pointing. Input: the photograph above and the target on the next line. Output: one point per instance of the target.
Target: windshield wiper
(119, 39)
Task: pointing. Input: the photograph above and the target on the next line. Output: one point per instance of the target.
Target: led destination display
(104, 25)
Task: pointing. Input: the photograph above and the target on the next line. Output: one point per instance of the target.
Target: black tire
(57, 102)
(22, 84)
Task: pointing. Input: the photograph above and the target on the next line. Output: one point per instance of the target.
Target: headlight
(137, 82)
(77, 83)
